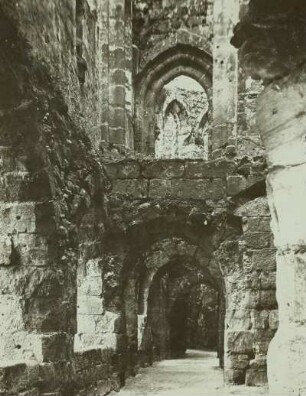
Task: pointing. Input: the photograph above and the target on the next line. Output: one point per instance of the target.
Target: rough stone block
(273, 319)
(17, 217)
(187, 189)
(117, 95)
(232, 376)
(93, 268)
(15, 185)
(256, 208)
(258, 240)
(256, 377)
(262, 339)
(90, 286)
(238, 317)
(57, 347)
(204, 169)
(20, 346)
(257, 224)
(264, 260)
(32, 250)
(119, 76)
(90, 305)
(252, 299)
(260, 319)
(92, 341)
(240, 342)
(235, 184)
(11, 313)
(268, 299)
(11, 375)
(239, 362)
(123, 170)
(259, 363)
(117, 136)
(163, 169)
(44, 213)
(5, 250)
(117, 117)
(252, 280)
(8, 161)
(89, 323)
(136, 188)
(117, 58)
(268, 281)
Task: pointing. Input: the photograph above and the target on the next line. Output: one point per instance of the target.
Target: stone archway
(170, 260)
(178, 60)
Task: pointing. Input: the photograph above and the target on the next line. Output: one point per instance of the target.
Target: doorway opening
(183, 313)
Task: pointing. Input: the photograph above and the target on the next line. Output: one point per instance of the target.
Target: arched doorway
(175, 64)
(161, 318)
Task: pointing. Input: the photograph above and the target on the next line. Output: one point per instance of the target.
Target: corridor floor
(197, 374)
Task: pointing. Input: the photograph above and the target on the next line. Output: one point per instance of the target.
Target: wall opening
(182, 313)
(182, 120)
(182, 75)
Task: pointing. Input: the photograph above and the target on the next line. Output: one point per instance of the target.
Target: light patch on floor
(196, 375)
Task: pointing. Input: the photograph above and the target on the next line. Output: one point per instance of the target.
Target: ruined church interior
(153, 189)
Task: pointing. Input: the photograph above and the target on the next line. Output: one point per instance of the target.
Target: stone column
(281, 117)
(225, 73)
(119, 69)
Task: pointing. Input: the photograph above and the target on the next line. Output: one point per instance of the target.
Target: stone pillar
(120, 69)
(281, 117)
(225, 73)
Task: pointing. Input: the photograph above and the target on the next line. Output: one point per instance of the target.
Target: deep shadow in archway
(183, 313)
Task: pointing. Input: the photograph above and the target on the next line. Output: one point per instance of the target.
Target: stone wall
(186, 179)
(86, 48)
(247, 261)
(270, 37)
(53, 223)
(250, 279)
(158, 25)
(79, 234)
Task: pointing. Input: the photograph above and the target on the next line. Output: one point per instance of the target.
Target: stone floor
(197, 374)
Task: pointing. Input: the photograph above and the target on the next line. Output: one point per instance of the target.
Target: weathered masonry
(152, 191)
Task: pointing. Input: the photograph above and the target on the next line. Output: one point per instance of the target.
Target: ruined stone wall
(53, 216)
(231, 97)
(247, 261)
(160, 25)
(66, 251)
(86, 47)
(187, 179)
(249, 268)
(271, 39)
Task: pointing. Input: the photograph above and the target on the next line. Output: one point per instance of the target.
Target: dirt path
(196, 375)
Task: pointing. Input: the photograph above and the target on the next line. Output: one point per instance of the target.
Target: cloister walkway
(197, 374)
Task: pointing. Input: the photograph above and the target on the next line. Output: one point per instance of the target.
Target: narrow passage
(197, 374)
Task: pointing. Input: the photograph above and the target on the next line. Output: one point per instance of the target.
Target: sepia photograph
(153, 180)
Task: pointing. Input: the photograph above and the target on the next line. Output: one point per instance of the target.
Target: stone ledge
(126, 169)
(163, 169)
(187, 189)
(207, 169)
